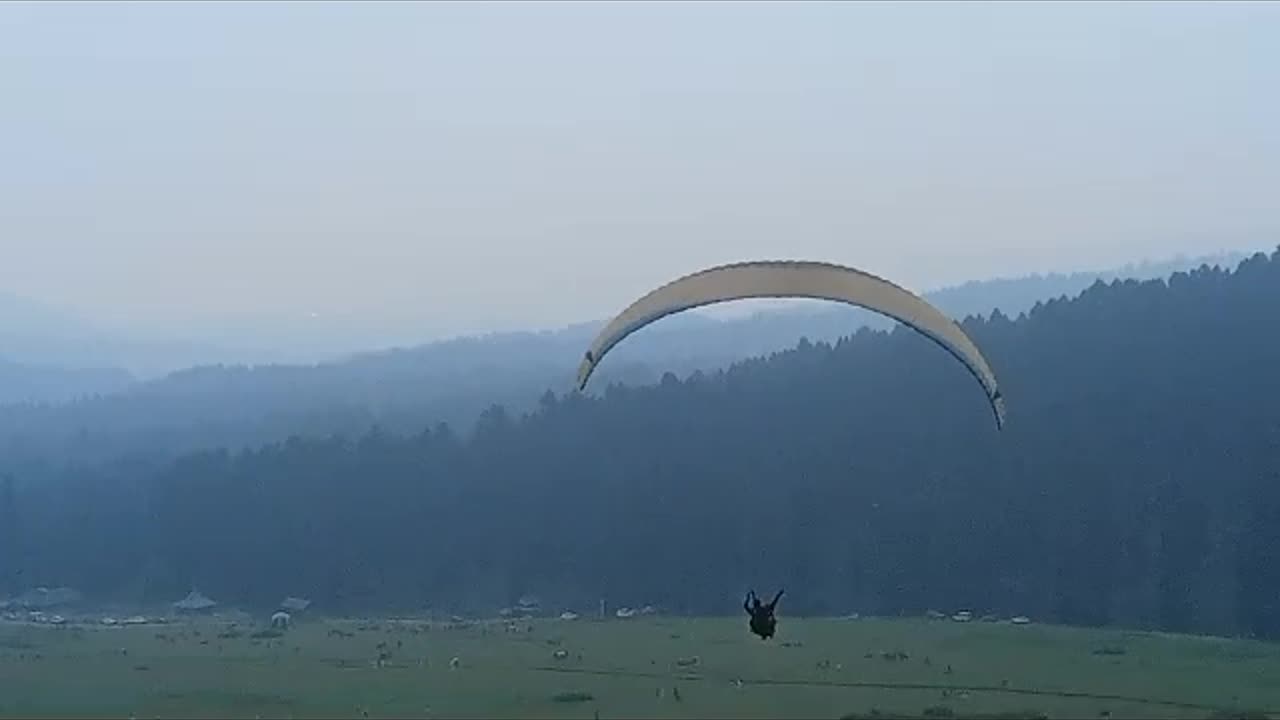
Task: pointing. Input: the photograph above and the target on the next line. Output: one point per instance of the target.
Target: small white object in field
(1020, 620)
(454, 663)
(280, 620)
(295, 604)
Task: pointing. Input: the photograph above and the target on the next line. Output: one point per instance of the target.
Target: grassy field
(635, 668)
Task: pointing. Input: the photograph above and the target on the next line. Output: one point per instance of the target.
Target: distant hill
(453, 381)
(693, 341)
(25, 324)
(38, 334)
(34, 333)
(20, 383)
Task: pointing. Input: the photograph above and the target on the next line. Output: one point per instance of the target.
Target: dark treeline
(1137, 483)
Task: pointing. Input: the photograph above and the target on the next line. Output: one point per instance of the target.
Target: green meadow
(639, 668)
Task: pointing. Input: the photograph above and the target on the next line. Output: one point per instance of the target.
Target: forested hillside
(450, 381)
(1137, 482)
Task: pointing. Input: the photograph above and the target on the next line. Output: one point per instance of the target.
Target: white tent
(194, 602)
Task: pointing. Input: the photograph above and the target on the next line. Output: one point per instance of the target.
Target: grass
(631, 669)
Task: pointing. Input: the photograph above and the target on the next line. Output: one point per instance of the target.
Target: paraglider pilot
(763, 622)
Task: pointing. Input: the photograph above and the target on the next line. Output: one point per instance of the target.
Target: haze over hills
(34, 333)
(453, 381)
(41, 383)
(297, 291)
(1135, 486)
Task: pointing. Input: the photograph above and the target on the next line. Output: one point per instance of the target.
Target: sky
(399, 170)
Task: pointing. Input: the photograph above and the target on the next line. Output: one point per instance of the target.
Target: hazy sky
(417, 169)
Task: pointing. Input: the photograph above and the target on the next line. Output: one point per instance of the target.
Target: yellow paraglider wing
(796, 279)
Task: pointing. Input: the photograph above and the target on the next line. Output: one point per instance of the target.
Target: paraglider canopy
(797, 279)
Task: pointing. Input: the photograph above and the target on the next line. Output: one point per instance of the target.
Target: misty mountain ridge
(451, 382)
(530, 361)
(696, 340)
(20, 383)
(34, 333)
(791, 318)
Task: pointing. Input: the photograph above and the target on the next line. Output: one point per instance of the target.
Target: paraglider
(797, 279)
(763, 622)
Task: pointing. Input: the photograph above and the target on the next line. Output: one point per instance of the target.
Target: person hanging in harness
(763, 622)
